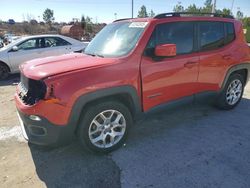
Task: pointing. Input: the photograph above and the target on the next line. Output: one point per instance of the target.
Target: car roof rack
(185, 14)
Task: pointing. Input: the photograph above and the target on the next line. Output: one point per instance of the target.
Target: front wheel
(4, 72)
(104, 126)
(232, 93)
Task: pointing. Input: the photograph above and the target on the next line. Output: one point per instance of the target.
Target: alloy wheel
(107, 128)
(234, 92)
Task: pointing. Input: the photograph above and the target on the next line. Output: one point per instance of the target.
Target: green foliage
(143, 12)
(48, 16)
(89, 25)
(207, 8)
(248, 34)
(208, 3)
(192, 8)
(178, 7)
(151, 14)
(224, 11)
(246, 22)
(239, 15)
(83, 22)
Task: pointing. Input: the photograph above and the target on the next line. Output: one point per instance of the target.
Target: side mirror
(165, 50)
(14, 48)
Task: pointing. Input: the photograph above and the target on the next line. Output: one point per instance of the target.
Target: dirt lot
(194, 145)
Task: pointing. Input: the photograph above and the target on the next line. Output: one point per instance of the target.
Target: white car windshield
(14, 43)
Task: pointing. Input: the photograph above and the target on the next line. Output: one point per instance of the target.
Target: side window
(55, 41)
(211, 35)
(230, 33)
(28, 45)
(179, 33)
(62, 42)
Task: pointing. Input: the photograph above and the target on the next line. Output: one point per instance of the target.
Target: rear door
(54, 46)
(166, 79)
(215, 53)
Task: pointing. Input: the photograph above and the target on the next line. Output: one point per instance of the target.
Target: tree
(224, 11)
(48, 16)
(246, 22)
(208, 3)
(151, 14)
(239, 15)
(192, 8)
(178, 7)
(208, 6)
(83, 22)
(143, 12)
(89, 25)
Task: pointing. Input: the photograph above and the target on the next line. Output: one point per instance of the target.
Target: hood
(41, 68)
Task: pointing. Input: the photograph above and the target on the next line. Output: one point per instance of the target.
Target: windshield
(116, 39)
(14, 43)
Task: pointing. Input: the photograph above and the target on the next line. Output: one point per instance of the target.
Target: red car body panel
(74, 75)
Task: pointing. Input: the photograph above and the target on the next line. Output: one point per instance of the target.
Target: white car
(32, 47)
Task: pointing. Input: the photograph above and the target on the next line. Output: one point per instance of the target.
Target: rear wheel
(4, 72)
(104, 127)
(232, 93)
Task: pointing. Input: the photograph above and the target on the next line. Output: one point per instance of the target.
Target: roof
(38, 36)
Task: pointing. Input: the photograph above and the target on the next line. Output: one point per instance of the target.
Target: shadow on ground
(193, 145)
(13, 79)
(71, 167)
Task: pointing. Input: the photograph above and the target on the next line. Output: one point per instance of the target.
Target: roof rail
(180, 14)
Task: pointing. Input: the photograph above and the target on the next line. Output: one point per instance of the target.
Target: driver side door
(170, 78)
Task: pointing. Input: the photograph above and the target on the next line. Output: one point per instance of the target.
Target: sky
(100, 10)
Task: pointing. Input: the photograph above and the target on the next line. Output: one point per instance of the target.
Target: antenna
(132, 8)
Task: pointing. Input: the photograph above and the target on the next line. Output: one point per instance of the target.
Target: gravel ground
(193, 145)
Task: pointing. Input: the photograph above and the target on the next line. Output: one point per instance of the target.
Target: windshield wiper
(94, 55)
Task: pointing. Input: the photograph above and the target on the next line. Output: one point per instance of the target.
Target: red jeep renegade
(131, 66)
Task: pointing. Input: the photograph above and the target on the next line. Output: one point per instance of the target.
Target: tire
(232, 93)
(4, 72)
(104, 126)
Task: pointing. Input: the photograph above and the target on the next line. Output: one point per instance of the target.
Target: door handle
(190, 64)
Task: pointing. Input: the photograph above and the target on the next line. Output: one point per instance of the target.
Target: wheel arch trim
(244, 65)
(84, 99)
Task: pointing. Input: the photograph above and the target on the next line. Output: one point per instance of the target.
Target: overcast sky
(100, 10)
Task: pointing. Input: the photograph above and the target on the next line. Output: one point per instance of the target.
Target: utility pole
(214, 7)
(132, 8)
(232, 7)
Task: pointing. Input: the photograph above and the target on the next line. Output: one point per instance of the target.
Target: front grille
(31, 91)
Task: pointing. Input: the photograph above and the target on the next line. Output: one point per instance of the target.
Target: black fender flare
(245, 65)
(81, 101)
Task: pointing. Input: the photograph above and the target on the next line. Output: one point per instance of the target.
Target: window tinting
(179, 33)
(211, 35)
(230, 34)
(55, 41)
